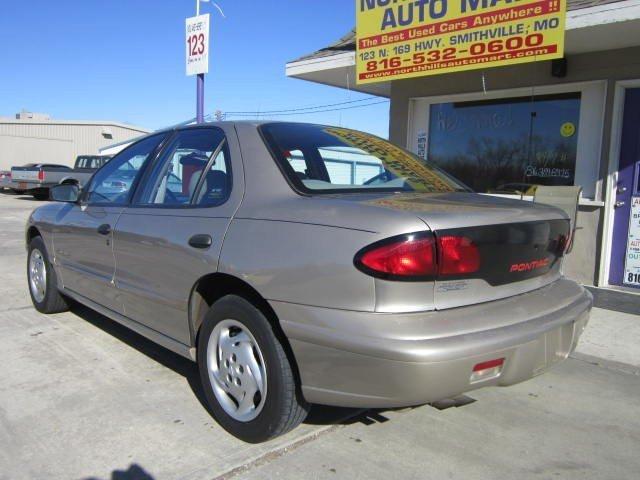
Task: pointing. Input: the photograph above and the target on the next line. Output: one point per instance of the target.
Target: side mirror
(69, 192)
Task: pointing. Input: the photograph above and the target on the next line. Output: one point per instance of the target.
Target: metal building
(32, 137)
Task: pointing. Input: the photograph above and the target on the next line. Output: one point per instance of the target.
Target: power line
(303, 108)
(297, 112)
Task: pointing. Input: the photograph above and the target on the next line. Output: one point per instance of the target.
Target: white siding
(56, 142)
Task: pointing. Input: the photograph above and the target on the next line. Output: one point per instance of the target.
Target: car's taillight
(419, 256)
(41, 175)
(564, 244)
(406, 257)
(458, 255)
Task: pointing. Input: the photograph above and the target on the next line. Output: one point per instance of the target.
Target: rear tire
(42, 280)
(241, 358)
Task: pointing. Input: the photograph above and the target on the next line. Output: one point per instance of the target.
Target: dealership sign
(412, 38)
(197, 44)
(632, 257)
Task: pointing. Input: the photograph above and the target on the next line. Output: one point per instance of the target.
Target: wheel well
(32, 232)
(213, 287)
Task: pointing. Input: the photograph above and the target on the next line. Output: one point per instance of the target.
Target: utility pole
(199, 85)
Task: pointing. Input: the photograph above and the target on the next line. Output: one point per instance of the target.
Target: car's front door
(171, 234)
(83, 237)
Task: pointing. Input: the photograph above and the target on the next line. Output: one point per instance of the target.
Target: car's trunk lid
(514, 258)
(520, 244)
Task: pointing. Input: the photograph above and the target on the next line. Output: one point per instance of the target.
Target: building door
(625, 253)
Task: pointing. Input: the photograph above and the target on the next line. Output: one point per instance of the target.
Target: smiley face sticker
(567, 129)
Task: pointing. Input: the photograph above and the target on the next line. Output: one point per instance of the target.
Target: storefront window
(507, 145)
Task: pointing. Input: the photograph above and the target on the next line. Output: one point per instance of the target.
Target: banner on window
(399, 39)
(418, 175)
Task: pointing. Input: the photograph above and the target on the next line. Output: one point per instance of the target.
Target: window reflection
(507, 145)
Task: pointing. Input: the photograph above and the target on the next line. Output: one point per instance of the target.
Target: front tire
(43, 284)
(248, 380)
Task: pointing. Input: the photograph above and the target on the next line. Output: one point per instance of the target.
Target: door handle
(104, 229)
(201, 240)
(619, 204)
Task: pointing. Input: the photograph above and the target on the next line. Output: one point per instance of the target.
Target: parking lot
(82, 397)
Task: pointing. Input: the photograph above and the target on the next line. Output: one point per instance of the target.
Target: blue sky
(123, 60)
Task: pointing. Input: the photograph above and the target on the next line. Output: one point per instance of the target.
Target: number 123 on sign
(197, 44)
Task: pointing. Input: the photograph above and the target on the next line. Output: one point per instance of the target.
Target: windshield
(320, 159)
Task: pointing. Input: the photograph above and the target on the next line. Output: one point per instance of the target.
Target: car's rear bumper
(361, 359)
(29, 185)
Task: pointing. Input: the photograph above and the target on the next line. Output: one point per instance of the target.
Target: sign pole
(199, 85)
(197, 58)
(200, 98)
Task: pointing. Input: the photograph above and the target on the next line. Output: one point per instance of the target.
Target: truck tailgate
(24, 175)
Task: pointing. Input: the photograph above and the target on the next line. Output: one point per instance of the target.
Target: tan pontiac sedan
(301, 264)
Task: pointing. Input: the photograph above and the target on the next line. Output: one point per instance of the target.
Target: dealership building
(580, 116)
(36, 138)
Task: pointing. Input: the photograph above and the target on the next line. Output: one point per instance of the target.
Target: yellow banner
(399, 39)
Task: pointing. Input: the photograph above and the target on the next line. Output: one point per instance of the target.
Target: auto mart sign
(399, 39)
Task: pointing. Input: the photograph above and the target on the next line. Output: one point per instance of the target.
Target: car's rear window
(321, 159)
(90, 162)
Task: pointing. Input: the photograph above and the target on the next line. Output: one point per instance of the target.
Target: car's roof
(228, 123)
(255, 123)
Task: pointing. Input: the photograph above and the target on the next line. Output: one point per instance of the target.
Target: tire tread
(291, 408)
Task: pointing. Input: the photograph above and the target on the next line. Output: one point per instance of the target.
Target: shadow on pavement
(167, 358)
(319, 414)
(21, 196)
(30, 199)
(134, 472)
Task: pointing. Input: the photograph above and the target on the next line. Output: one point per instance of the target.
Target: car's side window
(112, 184)
(216, 184)
(192, 170)
(298, 163)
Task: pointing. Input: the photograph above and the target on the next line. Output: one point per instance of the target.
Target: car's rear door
(171, 235)
(83, 235)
